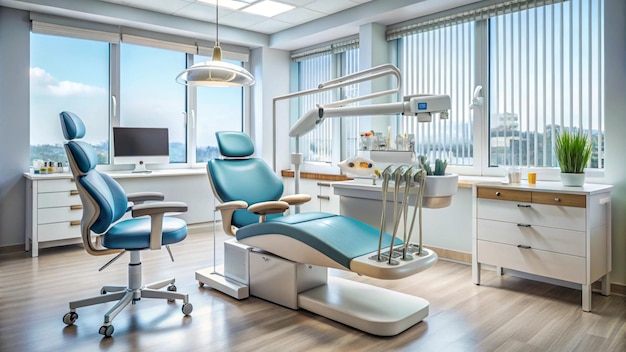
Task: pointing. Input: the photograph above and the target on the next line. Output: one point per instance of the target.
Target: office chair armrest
(296, 199)
(227, 209)
(158, 208)
(156, 212)
(140, 197)
(272, 207)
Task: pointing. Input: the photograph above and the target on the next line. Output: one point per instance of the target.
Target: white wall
(615, 117)
(14, 122)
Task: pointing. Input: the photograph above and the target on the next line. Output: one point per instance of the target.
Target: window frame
(114, 89)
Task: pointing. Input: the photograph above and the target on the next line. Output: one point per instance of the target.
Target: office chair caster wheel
(187, 308)
(70, 318)
(171, 288)
(106, 330)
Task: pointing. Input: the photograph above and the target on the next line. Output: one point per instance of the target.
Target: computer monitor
(140, 146)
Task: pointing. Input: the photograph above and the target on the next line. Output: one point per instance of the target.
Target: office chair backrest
(104, 200)
(240, 177)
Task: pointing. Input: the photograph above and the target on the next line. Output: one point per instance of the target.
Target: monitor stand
(141, 168)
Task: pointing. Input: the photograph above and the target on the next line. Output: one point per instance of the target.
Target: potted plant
(573, 151)
(440, 186)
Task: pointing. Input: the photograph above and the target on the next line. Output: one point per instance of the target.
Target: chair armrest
(264, 208)
(296, 199)
(156, 211)
(227, 209)
(158, 208)
(140, 197)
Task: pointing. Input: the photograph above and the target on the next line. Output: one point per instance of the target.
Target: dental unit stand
(218, 277)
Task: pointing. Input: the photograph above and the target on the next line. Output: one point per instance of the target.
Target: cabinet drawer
(58, 199)
(503, 194)
(59, 231)
(569, 218)
(45, 186)
(534, 261)
(563, 199)
(59, 214)
(537, 237)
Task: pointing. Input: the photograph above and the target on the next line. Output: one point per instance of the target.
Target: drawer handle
(557, 199)
(323, 197)
(523, 246)
(323, 184)
(76, 207)
(74, 223)
(73, 192)
(497, 194)
(523, 205)
(523, 225)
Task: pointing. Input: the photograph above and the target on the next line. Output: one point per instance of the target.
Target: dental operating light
(216, 73)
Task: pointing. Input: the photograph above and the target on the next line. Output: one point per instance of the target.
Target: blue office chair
(104, 203)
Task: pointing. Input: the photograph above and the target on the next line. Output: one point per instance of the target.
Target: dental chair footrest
(372, 309)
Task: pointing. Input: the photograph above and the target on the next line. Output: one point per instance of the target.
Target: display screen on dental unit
(140, 146)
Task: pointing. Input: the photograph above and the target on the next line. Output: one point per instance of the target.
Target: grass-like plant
(573, 151)
(440, 166)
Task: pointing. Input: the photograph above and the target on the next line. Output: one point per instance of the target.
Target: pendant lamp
(216, 73)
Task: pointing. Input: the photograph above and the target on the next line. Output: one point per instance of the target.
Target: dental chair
(103, 233)
(285, 259)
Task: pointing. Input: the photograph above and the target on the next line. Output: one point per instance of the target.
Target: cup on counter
(532, 178)
(515, 174)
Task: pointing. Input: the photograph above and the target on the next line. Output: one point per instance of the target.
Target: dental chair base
(233, 277)
(213, 278)
(372, 309)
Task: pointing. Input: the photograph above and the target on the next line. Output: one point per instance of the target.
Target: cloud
(44, 83)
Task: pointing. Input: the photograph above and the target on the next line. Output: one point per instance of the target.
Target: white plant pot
(438, 190)
(572, 180)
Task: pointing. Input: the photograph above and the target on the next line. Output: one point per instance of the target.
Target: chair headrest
(84, 156)
(73, 127)
(234, 144)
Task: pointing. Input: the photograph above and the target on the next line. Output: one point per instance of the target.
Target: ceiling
(310, 22)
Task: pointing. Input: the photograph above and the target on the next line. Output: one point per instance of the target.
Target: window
(541, 70)
(334, 139)
(441, 61)
(546, 69)
(124, 79)
(149, 95)
(68, 74)
(316, 146)
(217, 109)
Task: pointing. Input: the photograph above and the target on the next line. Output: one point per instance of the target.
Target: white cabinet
(53, 212)
(548, 230)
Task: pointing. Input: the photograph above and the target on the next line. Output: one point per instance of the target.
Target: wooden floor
(504, 314)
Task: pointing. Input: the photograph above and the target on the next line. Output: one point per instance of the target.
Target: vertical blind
(545, 75)
(317, 65)
(547, 69)
(315, 145)
(441, 61)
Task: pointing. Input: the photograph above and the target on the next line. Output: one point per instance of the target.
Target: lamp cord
(217, 22)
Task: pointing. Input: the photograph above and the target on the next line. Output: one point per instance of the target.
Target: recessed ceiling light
(231, 4)
(268, 8)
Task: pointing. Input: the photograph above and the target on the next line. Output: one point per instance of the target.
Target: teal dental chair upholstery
(252, 210)
(104, 204)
